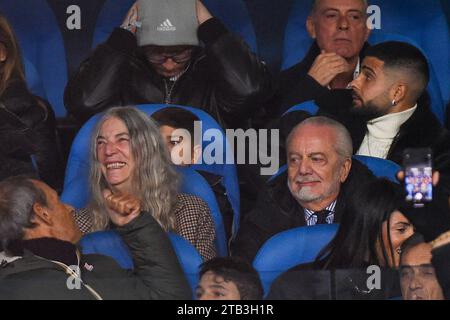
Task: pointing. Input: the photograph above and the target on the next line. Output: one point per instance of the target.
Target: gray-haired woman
(128, 157)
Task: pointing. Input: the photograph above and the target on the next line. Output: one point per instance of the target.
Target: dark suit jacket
(277, 210)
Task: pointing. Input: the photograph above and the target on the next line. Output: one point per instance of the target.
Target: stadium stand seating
(110, 244)
(290, 248)
(235, 15)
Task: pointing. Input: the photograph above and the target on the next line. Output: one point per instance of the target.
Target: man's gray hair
(343, 143)
(17, 197)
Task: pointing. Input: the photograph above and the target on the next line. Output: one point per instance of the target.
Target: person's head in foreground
(417, 275)
(177, 127)
(31, 210)
(372, 229)
(128, 156)
(229, 278)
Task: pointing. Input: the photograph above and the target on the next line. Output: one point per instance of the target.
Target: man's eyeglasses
(159, 58)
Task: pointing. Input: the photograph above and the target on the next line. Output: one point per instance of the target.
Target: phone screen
(418, 175)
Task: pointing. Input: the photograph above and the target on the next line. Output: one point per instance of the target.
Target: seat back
(110, 244)
(107, 243)
(33, 79)
(380, 167)
(194, 184)
(235, 15)
(296, 38)
(189, 259)
(41, 42)
(290, 248)
(111, 16)
(308, 106)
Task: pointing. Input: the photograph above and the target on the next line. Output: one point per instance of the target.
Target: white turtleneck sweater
(381, 132)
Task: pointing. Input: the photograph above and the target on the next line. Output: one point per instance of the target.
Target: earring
(394, 103)
(399, 250)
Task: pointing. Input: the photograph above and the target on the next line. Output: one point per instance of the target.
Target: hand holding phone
(418, 180)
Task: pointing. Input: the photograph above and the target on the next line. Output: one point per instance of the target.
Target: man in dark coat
(224, 77)
(389, 111)
(38, 233)
(340, 32)
(320, 177)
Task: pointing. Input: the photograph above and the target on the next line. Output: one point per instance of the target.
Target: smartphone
(417, 164)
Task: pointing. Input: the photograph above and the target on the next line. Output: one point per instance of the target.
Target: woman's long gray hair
(154, 181)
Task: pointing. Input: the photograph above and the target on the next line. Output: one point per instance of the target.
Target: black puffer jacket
(224, 78)
(27, 128)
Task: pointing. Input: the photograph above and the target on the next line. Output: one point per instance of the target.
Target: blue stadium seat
(194, 184)
(234, 14)
(381, 167)
(111, 16)
(290, 248)
(425, 23)
(189, 258)
(296, 38)
(41, 42)
(107, 243)
(434, 90)
(33, 78)
(76, 184)
(308, 106)
(110, 244)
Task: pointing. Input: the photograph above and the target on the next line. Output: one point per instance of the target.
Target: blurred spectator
(386, 96)
(340, 32)
(433, 222)
(39, 234)
(173, 118)
(318, 184)
(27, 122)
(129, 158)
(371, 233)
(390, 111)
(229, 279)
(417, 274)
(150, 65)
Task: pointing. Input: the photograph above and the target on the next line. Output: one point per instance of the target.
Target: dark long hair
(355, 244)
(12, 67)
